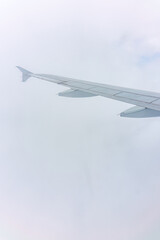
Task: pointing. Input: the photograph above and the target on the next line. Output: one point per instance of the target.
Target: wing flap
(134, 96)
(107, 91)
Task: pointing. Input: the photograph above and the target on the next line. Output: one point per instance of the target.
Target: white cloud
(71, 168)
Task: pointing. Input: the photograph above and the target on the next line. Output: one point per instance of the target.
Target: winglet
(25, 73)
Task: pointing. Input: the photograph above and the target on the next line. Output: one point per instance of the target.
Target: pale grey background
(72, 168)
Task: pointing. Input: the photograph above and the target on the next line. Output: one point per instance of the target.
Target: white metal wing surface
(147, 103)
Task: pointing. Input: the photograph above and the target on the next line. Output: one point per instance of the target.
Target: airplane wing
(147, 104)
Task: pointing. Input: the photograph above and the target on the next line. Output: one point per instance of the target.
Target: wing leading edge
(147, 103)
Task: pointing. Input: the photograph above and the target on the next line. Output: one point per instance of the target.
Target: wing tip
(25, 73)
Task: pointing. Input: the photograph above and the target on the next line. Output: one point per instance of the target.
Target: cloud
(71, 168)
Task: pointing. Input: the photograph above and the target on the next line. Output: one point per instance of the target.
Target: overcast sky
(72, 169)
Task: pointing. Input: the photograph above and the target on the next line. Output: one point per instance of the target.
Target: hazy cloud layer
(72, 168)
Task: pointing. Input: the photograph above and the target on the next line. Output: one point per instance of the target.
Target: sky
(72, 168)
